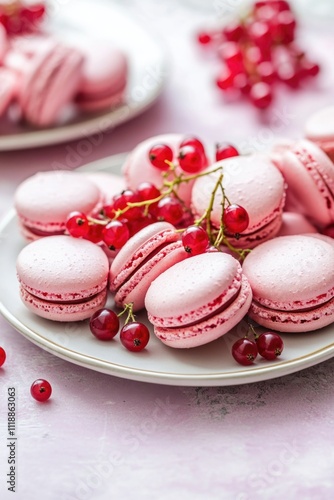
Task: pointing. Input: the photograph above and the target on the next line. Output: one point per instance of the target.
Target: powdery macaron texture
(319, 128)
(198, 300)
(63, 278)
(252, 182)
(44, 201)
(292, 278)
(145, 255)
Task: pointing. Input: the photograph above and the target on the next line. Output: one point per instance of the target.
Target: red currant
(41, 390)
(159, 155)
(235, 219)
(136, 225)
(266, 72)
(194, 142)
(191, 159)
(170, 210)
(244, 351)
(225, 150)
(225, 80)
(233, 31)
(147, 191)
(94, 233)
(241, 82)
(261, 95)
(195, 240)
(135, 336)
(2, 356)
(308, 68)
(120, 202)
(77, 224)
(285, 25)
(270, 345)
(288, 74)
(104, 324)
(230, 52)
(204, 38)
(115, 234)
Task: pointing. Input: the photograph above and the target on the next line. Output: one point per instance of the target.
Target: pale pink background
(102, 437)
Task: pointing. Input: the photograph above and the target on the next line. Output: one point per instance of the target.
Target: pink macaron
(9, 85)
(319, 128)
(292, 279)
(198, 300)
(295, 223)
(104, 77)
(138, 168)
(145, 255)
(252, 182)
(63, 278)
(50, 82)
(44, 201)
(309, 174)
(108, 184)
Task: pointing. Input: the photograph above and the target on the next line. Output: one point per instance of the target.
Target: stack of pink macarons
(43, 78)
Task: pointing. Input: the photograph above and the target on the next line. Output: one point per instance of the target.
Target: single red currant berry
(270, 345)
(121, 201)
(261, 95)
(204, 38)
(259, 33)
(231, 54)
(266, 72)
(244, 351)
(289, 74)
(41, 390)
(104, 324)
(195, 240)
(233, 31)
(136, 225)
(191, 159)
(225, 150)
(225, 81)
(308, 68)
(135, 336)
(194, 142)
(147, 191)
(108, 211)
(159, 154)
(94, 233)
(241, 82)
(77, 224)
(2, 356)
(115, 234)
(235, 219)
(170, 210)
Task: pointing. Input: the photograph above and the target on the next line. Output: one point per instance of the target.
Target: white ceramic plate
(210, 365)
(147, 62)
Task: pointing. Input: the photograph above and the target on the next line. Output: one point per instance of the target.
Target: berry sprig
(268, 344)
(104, 325)
(18, 17)
(258, 50)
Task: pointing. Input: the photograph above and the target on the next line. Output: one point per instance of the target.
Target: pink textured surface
(101, 437)
(294, 223)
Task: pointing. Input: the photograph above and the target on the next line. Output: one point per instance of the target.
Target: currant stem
(128, 308)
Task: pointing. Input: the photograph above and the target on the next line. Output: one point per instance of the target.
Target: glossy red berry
(233, 31)
(191, 159)
(170, 210)
(94, 233)
(147, 191)
(270, 345)
(266, 72)
(2, 356)
(261, 95)
(225, 150)
(135, 336)
(41, 390)
(259, 33)
(241, 82)
(195, 240)
(244, 351)
(231, 54)
(104, 324)
(121, 202)
(115, 234)
(204, 38)
(235, 219)
(159, 154)
(289, 74)
(194, 142)
(77, 224)
(225, 80)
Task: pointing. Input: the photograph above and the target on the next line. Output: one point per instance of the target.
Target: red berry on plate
(159, 154)
(270, 345)
(41, 390)
(170, 210)
(261, 95)
(235, 219)
(115, 234)
(77, 224)
(195, 240)
(2, 356)
(204, 38)
(194, 142)
(225, 150)
(135, 336)
(104, 324)
(244, 351)
(191, 159)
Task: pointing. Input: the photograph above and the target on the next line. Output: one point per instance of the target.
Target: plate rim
(250, 375)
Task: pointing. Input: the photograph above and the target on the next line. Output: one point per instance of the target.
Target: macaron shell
(9, 84)
(135, 289)
(64, 312)
(295, 223)
(320, 125)
(193, 289)
(44, 200)
(62, 268)
(210, 329)
(108, 184)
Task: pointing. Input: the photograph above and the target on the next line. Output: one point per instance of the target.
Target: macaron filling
(64, 297)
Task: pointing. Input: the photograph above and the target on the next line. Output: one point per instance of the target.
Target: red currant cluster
(40, 389)
(268, 344)
(260, 50)
(19, 17)
(104, 325)
(131, 210)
